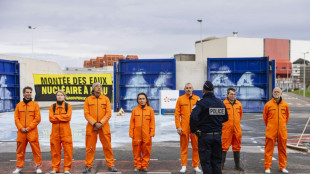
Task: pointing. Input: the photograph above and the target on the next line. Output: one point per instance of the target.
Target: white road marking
(261, 149)
(25, 160)
(273, 159)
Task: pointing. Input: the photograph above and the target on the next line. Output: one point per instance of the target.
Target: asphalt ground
(166, 155)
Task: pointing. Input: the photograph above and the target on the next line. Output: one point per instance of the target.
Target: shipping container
(10, 85)
(196, 92)
(143, 75)
(249, 76)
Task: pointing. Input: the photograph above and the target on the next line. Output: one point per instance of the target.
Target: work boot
(237, 161)
(223, 158)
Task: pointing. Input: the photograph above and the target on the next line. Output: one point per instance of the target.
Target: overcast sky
(71, 31)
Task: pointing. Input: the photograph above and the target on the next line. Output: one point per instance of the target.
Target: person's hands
(179, 130)
(24, 130)
(98, 125)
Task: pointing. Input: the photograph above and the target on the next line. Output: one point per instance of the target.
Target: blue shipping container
(196, 92)
(143, 75)
(9, 85)
(249, 76)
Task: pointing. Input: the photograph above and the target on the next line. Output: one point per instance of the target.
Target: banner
(76, 86)
(168, 99)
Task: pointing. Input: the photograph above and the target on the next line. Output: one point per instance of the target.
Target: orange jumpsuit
(231, 132)
(183, 110)
(98, 110)
(276, 117)
(141, 130)
(61, 135)
(27, 116)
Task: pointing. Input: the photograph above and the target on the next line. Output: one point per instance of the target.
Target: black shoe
(223, 159)
(113, 169)
(86, 170)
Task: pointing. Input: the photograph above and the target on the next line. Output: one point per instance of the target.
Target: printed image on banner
(76, 86)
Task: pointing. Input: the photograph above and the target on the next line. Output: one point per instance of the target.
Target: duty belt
(199, 134)
(212, 133)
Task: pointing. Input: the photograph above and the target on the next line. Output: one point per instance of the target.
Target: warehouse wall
(193, 72)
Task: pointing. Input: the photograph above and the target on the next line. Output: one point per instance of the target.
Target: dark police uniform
(208, 116)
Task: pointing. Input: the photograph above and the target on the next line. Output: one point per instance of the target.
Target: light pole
(200, 21)
(287, 77)
(32, 28)
(305, 73)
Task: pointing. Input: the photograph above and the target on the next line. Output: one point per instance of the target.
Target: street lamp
(200, 21)
(305, 73)
(32, 28)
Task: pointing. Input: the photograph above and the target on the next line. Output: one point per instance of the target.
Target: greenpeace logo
(216, 111)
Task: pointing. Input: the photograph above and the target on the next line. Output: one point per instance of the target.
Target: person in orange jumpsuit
(141, 130)
(231, 131)
(97, 112)
(27, 117)
(276, 115)
(60, 116)
(182, 115)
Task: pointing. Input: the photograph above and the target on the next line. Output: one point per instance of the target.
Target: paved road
(166, 154)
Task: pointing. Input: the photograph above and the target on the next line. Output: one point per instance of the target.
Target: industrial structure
(184, 68)
(106, 60)
(284, 51)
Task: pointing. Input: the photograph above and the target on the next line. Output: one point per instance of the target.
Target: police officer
(206, 121)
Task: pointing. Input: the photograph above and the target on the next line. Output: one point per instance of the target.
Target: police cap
(208, 86)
